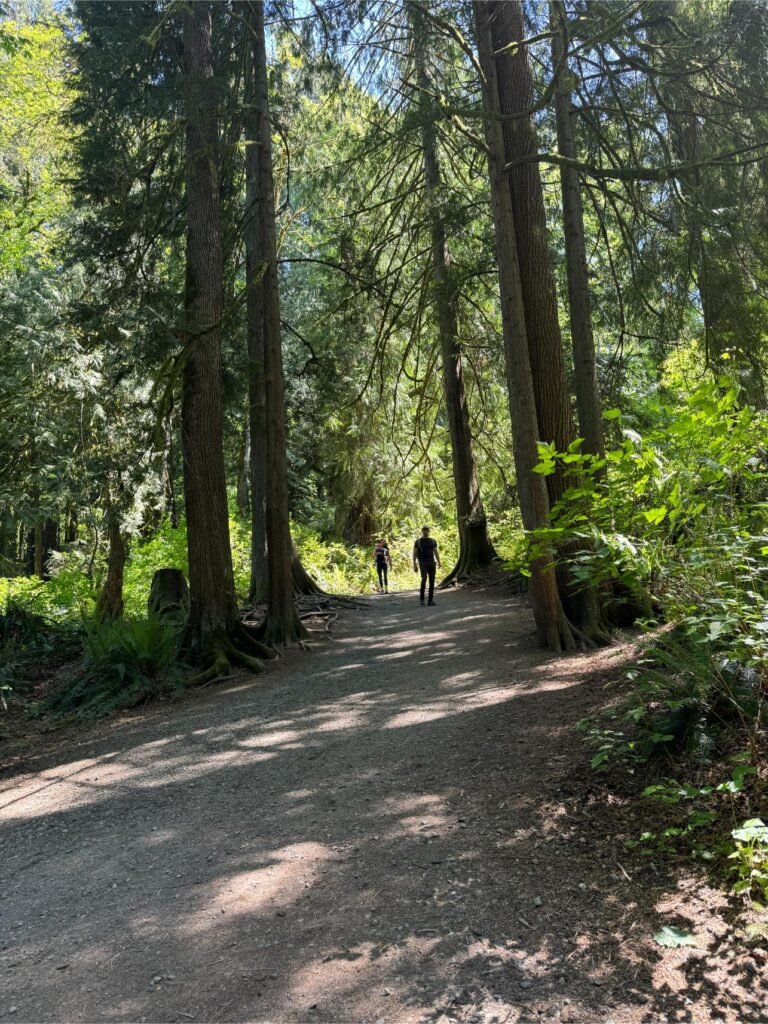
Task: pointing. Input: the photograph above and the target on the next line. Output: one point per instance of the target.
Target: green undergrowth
(679, 511)
(117, 665)
(125, 663)
(338, 568)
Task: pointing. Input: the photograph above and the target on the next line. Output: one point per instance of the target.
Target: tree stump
(169, 596)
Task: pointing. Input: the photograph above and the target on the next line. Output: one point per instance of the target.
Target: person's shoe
(386, 590)
(421, 600)
(429, 602)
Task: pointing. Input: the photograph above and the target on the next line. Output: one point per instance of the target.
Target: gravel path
(396, 827)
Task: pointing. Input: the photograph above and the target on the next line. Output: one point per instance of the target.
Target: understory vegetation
(277, 282)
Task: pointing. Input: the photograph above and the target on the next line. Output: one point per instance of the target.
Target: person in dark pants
(383, 563)
(426, 559)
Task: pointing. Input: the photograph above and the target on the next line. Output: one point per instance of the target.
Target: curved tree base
(303, 584)
(285, 630)
(252, 644)
(466, 569)
(555, 630)
(557, 636)
(592, 617)
(476, 553)
(223, 652)
(586, 605)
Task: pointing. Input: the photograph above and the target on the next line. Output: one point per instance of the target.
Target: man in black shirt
(425, 553)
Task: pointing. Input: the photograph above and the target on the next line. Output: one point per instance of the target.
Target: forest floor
(400, 826)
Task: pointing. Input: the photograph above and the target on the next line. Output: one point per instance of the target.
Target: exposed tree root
(218, 668)
(476, 554)
(302, 581)
(494, 575)
(592, 619)
(466, 569)
(223, 652)
(284, 631)
(247, 637)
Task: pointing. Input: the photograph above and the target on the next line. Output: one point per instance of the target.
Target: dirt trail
(397, 827)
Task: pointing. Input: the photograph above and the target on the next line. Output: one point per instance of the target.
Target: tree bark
(70, 528)
(42, 541)
(38, 549)
(243, 471)
(283, 624)
(169, 473)
(552, 627)
(539, 294)
(213, 608)
(169, 597)
(475, 548)
(579, 300)
(303, 584)
(255, 269)
(110, 603)
(718, 281)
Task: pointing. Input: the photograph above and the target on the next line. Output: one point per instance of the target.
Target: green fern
(126, 662)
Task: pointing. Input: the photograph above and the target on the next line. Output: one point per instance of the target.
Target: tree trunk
(42, 540)
(539, 295)
(169, 473)
(550, 380)
(71, 524)
(50, 544)
(717, 277)
(213, 609)
(283, 624)
(243, 471)
(475, 550)
(579, 301)
(169, 597)
(552, 627)
(38, 549)
(110, 603)
(303, 584)
(255, 269)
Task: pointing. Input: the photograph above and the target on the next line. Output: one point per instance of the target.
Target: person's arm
(437, 556)
(415, 552)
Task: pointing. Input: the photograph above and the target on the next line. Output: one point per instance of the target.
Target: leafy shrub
(126, 662)
(681, 514)
(64, 598)
(659, 505)
(751, 859)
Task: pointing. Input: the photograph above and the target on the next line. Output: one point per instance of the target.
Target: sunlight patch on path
(265, 890)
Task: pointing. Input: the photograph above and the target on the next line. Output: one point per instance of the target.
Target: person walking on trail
(383, 563)
(425, 553)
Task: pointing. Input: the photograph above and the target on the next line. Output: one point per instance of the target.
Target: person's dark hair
(425, 528)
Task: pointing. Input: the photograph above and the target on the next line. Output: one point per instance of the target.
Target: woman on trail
(383, 562)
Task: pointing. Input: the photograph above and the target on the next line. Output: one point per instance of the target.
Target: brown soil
(401, 826)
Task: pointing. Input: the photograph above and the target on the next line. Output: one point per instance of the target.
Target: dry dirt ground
(400, 826)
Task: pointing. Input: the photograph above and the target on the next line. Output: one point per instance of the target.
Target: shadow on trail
(380, 831)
